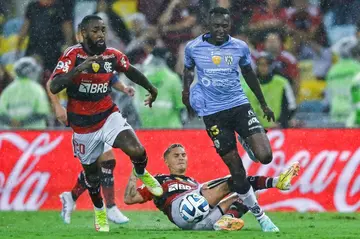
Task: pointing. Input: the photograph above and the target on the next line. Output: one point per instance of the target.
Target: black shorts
(221, 127)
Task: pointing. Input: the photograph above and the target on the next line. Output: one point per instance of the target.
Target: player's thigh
(247, 123)
(214, 195)
(87, 147)
(221, 133)
(108, 154)
(208, 222)
(118, 133)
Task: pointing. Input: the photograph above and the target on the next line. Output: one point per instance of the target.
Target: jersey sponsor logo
(178, 186)
(95, 66)
(108, 67)
(63, 65)
(251, 113)
(93, 88)
(253, 121)
(229, 59)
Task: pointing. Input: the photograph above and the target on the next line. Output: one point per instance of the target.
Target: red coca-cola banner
(36, 166)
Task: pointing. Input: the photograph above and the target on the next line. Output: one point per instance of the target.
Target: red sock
(260, 182)
(79, 187)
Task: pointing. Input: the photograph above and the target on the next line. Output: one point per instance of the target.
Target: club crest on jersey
(95, 66)
(216, 60)
(229, 59)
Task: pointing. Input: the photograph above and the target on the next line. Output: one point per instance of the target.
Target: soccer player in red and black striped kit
(226, 207)
(85, 70)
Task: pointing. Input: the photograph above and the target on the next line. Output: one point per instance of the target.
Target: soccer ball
(193, 208)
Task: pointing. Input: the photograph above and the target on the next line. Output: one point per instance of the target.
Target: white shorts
(205, 224)
(89, 147)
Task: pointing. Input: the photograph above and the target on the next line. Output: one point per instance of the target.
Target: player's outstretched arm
(60, 111)
(188, 78)
(254, 84)
(137, 77)
(62, 81)
(132, 196)
(129, 90)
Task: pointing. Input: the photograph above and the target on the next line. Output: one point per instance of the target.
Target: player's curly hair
(171, 147)
(87, 19)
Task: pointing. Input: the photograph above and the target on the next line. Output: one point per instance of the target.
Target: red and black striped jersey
(89, 102)
(173, 186)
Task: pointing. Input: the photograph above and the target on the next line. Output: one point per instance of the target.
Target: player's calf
(107, 181)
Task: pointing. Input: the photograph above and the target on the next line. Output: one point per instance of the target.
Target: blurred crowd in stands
(305, 52)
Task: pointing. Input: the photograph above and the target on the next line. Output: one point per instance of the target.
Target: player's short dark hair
(87, 19)
(171, 147)
(219, 10)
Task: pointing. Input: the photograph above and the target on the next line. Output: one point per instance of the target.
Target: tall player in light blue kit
(218, 97)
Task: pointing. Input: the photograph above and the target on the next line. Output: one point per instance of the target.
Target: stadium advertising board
(36, 166)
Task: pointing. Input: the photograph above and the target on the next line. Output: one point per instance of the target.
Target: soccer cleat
(284, 181)
(247, 149)
(228, 223)
(101, 221)
(116, 216)
(68, 206)
(150, 183)
(267, 225)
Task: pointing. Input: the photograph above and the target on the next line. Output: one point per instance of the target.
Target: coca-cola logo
(30, 183)
(320, 173)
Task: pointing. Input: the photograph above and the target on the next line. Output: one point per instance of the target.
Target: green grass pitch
(154, 225)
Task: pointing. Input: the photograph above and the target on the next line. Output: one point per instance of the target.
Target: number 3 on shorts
(78, 149)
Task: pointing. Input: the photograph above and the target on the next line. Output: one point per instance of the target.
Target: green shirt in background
(165, 112)
(338, 87)
(23, 98)
(273, 92)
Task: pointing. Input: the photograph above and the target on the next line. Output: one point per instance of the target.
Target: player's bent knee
(265, 156)
(92, 180)
(136, 150)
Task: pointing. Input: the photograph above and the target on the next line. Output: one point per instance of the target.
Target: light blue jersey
(217, 86)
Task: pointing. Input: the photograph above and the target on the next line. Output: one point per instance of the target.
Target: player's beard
(95, 48)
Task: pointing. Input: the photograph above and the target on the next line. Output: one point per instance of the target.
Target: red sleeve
(145, 193)
(66, 62)
(122, 61)
(293, 71)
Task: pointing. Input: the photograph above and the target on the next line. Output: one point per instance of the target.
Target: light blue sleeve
(246, 57)
(188, 59)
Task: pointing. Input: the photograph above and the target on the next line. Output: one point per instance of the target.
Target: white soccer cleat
(267, 225)
(68, 206)
(115, 215)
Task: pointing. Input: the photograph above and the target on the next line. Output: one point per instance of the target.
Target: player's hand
(268, 113)
(130, 91)
(88, 62)
(150, 98)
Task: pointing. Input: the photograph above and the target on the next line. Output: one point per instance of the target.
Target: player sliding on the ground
(85, 70)
(226, 208)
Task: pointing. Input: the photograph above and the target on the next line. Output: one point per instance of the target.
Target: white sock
(249, 200)
(275, 181)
